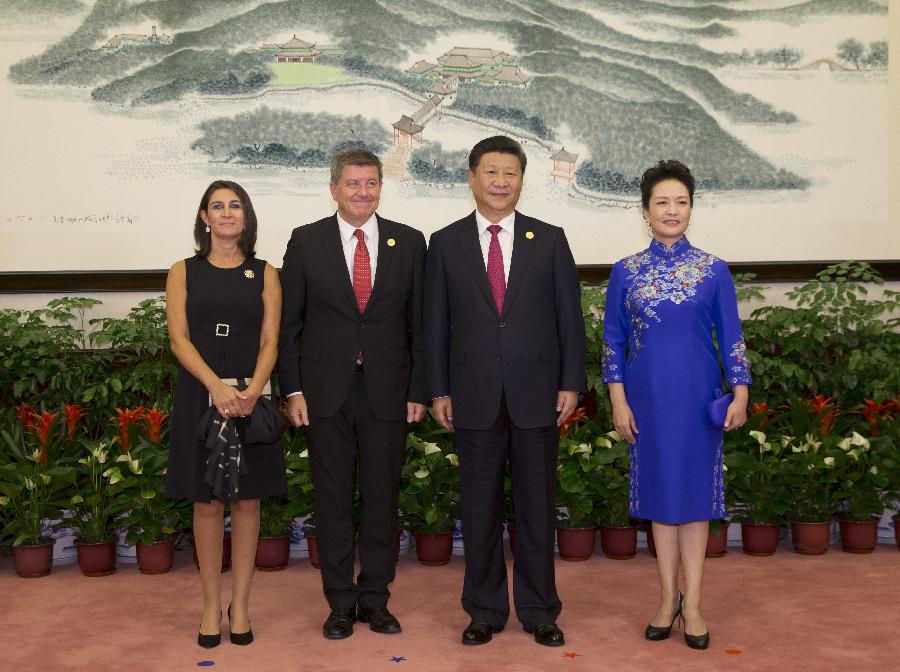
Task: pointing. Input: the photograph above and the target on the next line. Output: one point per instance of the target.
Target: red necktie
(496, 276)
(362, 271)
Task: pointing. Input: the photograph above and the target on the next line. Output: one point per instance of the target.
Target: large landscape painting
(117, 113)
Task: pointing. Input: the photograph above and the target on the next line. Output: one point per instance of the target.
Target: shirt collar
(507, 223)
(678, 248)
(348, 230)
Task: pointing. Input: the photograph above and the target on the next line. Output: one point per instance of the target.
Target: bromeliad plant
(429, 487)
(32, 486)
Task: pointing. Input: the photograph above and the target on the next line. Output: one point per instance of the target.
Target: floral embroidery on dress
(634, 499)
(610, 370)
(718, 500)
(654, 281)
(741, 368)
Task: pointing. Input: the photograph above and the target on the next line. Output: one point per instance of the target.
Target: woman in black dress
(223, 308)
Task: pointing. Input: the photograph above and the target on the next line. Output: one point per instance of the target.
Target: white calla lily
(421, 473)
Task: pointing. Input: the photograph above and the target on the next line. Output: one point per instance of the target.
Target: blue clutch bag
(717, 409)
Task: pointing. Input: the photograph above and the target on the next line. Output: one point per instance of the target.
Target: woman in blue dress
(662, 369)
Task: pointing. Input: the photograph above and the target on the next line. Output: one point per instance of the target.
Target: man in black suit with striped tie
(349, 363)
(504, 353)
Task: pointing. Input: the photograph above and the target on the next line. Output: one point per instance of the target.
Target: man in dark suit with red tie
(350, 366)
(504, 353)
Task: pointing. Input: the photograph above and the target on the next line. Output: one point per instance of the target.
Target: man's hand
(296, 406)
(414, 412)
(565, 405)
(443, 411)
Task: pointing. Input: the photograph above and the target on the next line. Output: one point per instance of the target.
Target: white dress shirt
(349, 241)
(504, 236)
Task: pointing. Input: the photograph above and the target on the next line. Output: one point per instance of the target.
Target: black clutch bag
(265, 425)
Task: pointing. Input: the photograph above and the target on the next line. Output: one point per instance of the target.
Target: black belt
(224, 329)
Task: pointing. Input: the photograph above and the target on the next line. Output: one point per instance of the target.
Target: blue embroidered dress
(661, 307)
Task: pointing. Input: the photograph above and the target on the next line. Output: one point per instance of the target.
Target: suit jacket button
(362, 325)
(499, 358)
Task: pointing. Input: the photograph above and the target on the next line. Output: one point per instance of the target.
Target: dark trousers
(355, 441)
(532, 455)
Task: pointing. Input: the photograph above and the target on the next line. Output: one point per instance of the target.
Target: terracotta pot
(155, 558)
(717, 542)
(511, 530)
(859, 536)
(434, 549)
(759, 539)
(576, 544)
(313, 550)
(272, 553)
(810, 538)
(618, 543)
(96, 559)
(226, 553)
(33, 560)
(651, 546)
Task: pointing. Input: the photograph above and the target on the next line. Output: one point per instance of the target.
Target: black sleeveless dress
(224, 314)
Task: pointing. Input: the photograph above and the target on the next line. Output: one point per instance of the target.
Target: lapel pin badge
(249, 274)
(529, 235)
(391, 242)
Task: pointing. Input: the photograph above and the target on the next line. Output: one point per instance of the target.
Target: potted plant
(717, 541)
(301, 491)
(756, 488)
(152, 519)
(98, 500)
(861, 484)
(618, 536)
(429, 498)
(274, 546)
(32, 488)
(576, 492)
(810, 481)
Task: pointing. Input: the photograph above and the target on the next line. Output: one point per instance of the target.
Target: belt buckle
(220, 326)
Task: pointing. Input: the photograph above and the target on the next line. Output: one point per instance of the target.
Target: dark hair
(497, 143)
(666, 170)
(353, 157)
(203, 238)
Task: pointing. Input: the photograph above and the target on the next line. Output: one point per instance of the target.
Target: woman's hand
(623, 421)
(736, 415)
(246, 405)
(227, 399)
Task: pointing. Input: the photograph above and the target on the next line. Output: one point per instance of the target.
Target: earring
(207, 228)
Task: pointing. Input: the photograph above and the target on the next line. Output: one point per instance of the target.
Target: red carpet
(786, 612)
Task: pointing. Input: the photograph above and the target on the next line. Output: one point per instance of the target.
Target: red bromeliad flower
(126, 418)
(41, 430)
(26, 416)
(153, 419)
(760, 409)
(578, 414)
(74, 413)
(822, 405)
(874, 413)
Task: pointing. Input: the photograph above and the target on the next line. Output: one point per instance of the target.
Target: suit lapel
(521, 255)
(334, 249)
(387, 251)
(470, 246)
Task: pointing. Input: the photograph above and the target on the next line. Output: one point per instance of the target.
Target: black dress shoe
(657, 633)
(339, 623)
(239, 638)
(547, 634)
(210, 641)
(697, 641)
(479, 633)
(379, 620)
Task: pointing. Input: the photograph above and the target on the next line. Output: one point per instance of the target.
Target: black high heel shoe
(239, 638)
(697, 641)
(210, 641)
(657, 634)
